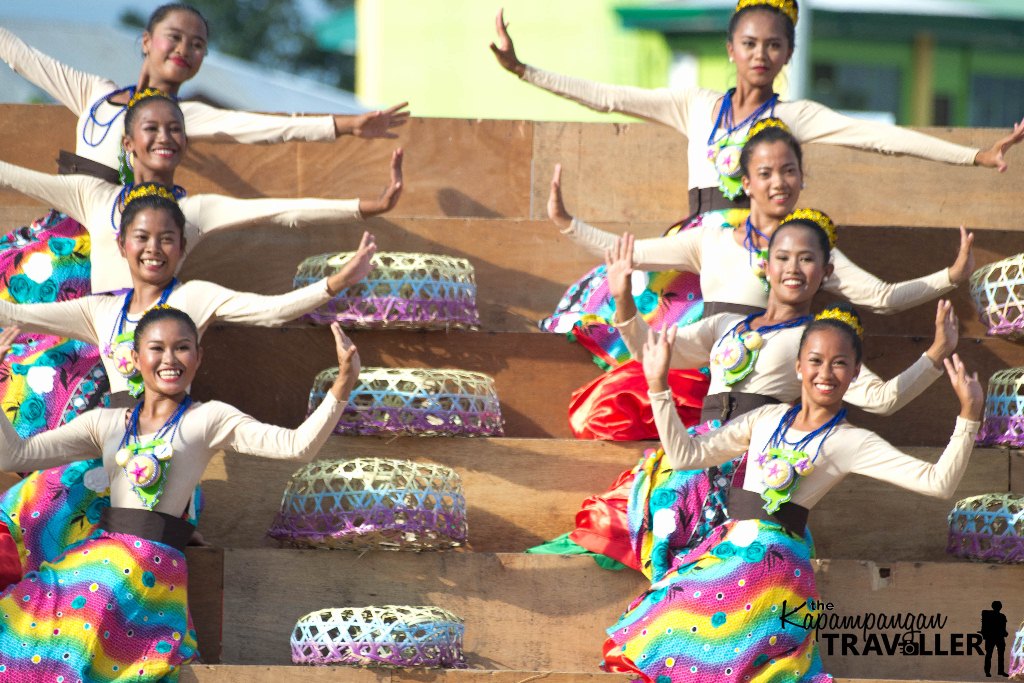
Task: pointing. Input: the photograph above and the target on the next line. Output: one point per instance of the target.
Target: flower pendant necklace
(735, 354)
(121, 344)
(784, 463)
(725, 143)
(146, 464)
(756, 257)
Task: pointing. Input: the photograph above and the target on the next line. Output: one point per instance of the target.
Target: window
(854, 87)
(996, 101)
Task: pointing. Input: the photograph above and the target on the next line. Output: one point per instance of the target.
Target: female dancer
(713, 616)
(750, 359)
(52, 509)
(760, 41)
(49, 259)
(115, 606)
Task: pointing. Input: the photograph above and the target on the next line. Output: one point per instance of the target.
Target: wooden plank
(521, 492)
(206, 598)
(1016, 458)
(547, 612)
(302, 674)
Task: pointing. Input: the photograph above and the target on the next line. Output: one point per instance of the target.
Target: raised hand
(373, 124)
(963, 266)
(356, 268)
(503, 49)
(556, 207)
(348, 364)
(967, 387)
(619, 265)
(657, 355)
(995, 156)
(7, 338)
(947, 333)
(389, 198)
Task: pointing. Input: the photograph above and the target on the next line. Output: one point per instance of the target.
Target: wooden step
(612, 172)
(223, 673)
(535, 374)
(536, 612)
(522, 492)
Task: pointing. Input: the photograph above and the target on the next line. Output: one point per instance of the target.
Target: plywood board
(549, 610)
(206, 598)
(521, 492)
(344, 674)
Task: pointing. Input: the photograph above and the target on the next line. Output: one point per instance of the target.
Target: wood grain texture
(346, 674)
(206, 598)
(522, 492)
(549, 611)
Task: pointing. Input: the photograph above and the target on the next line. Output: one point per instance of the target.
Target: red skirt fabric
(10, 563)
(615, 407)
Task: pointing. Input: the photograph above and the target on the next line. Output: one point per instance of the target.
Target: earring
(730, 60)
(800, 376)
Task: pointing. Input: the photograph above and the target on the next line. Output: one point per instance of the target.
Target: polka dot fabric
(715, 616)
(112, 609)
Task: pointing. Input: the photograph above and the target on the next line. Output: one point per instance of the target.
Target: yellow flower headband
(843, 316)
(143, 94)
(818, 218)
(149, 190)
(787, 7)
(770, 122)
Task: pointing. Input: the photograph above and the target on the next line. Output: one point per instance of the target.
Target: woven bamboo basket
(416, 401)
(998, 293)
(373, 503)
(1004, 410)
(404, 290)
(989, 528)
(386, 636)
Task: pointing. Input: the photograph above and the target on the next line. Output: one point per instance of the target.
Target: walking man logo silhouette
(993, 630)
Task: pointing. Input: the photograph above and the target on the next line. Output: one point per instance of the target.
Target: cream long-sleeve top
(847, 450)
(93, 319)
(691, 112)
(774, 372)
(93, 203)
(204, 429)
(81, 92)
(724, 267)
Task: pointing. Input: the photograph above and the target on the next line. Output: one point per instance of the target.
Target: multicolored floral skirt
(115, 608)
(717, 615)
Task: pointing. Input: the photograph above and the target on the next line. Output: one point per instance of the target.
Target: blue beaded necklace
(725, 147)
(93, 123)
(757, 258)
(119, 348)
(785, 462)
(146, 464)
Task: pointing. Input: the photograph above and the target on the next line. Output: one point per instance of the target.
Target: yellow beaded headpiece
(150, 190)
(145, 93)
(787, 7)
(819, 218)
(843, 316)
(770, 122)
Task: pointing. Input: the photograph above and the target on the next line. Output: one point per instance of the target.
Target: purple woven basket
(988, 528)
(1004, 410)
(404, 290)
(387, 636)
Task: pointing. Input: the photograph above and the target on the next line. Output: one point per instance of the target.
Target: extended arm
(75, 195)
(70, 87)
(861, 287)
(76, 440)
(62, 318)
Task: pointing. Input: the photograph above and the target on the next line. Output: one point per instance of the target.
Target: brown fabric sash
(148, 524)
(727, 405)
(715, 307)
(69, 163)
(745, 504)
(703, 199)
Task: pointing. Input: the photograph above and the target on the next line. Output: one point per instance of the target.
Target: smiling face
(796, 265)
(167, 355)
(760, 47)
(174, 50)
(153, 246)
(828, 364)
(156, 139)
(773, 180)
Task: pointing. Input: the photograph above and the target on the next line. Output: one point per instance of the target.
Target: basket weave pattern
(404, 290)
(989, 528)
(388, 636)
(415, 401)
(373, 503)
(998, 293)
(1004, 410)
